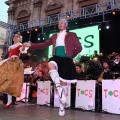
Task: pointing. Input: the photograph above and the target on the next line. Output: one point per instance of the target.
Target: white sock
(9, 99)
(55, 77)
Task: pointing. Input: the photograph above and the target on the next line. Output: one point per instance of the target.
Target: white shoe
(61, 112)
(62, 95)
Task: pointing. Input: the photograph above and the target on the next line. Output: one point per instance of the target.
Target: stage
(37, 112)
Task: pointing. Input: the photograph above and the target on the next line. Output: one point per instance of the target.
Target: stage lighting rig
(67, 14)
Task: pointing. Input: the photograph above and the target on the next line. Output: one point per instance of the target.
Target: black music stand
(27, 71)
(84, 58)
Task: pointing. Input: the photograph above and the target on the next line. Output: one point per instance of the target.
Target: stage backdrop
(89, 38)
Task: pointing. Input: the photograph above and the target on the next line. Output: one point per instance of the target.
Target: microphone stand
(98, 97)
(98, 89)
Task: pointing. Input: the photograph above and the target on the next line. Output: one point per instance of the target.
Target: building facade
(30, 10)
(41, 12)
(3, 32)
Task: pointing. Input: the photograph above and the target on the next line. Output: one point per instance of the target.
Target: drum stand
(27, 85)
(98, 108)
(25, 98)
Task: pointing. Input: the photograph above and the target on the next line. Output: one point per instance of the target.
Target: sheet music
(28, 70)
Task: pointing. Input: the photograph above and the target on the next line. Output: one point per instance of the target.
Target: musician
(115, 65)
(106, 74)
(113, 55)
(102, 57)
(95, 55)
(81, 75)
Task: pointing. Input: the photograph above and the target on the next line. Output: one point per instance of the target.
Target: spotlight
(100, 27)
(36, 29)
(113, 12)
(19, 33)
(67, 14)
(104, 25)
(107, 26)
(40, 37)
(28, 32)
(76, 21)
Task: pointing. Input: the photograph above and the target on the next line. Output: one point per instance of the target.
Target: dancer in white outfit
(66, 46)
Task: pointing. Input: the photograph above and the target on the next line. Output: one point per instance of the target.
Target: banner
(57, 100)
(85, 94)
(28, 71)
(89, 39)
(111, 96)
(43, 93)
(24, 93)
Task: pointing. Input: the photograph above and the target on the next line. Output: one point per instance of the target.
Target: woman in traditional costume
(12, 71)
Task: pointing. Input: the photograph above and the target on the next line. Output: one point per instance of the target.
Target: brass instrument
(101, 77)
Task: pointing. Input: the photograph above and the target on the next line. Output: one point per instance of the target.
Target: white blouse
(61, 38)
